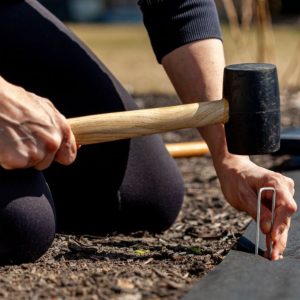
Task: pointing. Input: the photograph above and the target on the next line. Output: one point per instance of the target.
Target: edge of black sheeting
(242, 275)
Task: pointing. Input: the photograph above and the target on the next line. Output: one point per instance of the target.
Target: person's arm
(186, 39)
(32, 132)
(196, 71)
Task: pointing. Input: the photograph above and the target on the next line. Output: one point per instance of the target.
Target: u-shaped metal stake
(258, 218)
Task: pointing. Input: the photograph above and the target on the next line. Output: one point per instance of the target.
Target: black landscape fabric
(242, 275)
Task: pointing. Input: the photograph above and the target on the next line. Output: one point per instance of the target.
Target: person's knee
(166, 208)
(155, 210)
(27, 230)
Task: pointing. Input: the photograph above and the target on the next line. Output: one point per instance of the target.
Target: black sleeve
(173, 23)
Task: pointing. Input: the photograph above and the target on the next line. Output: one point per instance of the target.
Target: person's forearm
(196, 71)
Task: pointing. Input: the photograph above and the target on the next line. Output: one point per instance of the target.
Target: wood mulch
(143, 265)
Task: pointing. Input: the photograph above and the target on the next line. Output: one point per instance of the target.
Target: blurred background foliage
(253, 31)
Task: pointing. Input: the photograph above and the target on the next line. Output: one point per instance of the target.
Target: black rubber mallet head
(252, 91)
(250, 109)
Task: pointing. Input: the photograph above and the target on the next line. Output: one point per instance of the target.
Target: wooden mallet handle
(187, 149)
(252, 116)
(128, 124)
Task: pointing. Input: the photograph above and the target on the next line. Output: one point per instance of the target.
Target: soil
(143, 265)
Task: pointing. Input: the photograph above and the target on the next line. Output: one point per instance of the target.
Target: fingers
(280, 230)
(67, 150)
(66, 154)
(277, 247)
(56, 139)
(250, 206)
(26, 153)
(280, 243)
(265, 223)
(35, 134)
(48, 149)
(60, 147)
(285, 208)
(241, 180)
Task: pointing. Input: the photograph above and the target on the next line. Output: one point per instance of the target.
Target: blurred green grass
(126, 51)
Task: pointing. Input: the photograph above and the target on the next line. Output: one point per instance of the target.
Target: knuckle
(42, 99)
(291, 183)
(66, 129)
(69, 140)
(53, 143)
(292, 207)
(62, 143)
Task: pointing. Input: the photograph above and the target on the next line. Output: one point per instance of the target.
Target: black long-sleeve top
(173, 23)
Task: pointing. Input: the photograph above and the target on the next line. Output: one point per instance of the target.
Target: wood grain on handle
(128, 124)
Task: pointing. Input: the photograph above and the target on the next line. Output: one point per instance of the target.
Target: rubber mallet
(250, 109)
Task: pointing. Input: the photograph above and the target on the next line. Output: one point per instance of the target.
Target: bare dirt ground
(143, 265)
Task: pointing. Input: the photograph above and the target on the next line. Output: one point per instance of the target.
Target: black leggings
(120, 186)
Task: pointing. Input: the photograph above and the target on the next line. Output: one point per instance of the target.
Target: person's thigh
(43, 56)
